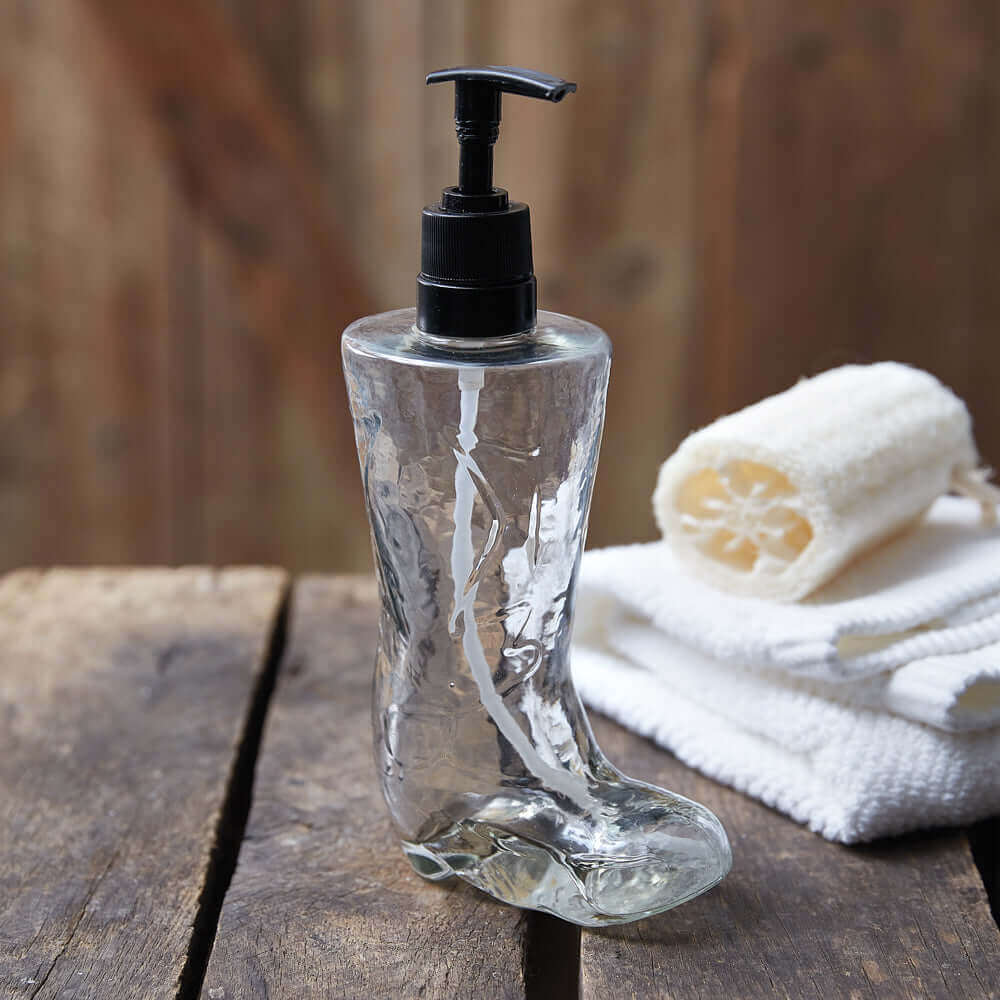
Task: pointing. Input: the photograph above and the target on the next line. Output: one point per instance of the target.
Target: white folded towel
(849, 774)
(792, 703)
(934, 591)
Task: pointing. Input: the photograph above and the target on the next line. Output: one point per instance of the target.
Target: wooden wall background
(197, 195)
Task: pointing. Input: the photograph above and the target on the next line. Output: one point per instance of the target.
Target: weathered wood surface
(194, 197)
(243, 161)
(124, 697)
(86, 305)
(798, 916)
(847, 198)
(131, 706)
(322, 903)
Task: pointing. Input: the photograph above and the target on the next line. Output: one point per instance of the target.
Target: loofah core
(746, 516)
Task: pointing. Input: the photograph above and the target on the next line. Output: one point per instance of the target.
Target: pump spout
(476, 275)
(477, 118)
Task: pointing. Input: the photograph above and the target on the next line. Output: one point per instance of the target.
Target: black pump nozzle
(476, 277)
(477, 121)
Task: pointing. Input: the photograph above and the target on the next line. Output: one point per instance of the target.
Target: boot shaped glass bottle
(478, 426)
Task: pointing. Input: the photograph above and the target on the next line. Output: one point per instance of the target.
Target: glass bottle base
(592, 870)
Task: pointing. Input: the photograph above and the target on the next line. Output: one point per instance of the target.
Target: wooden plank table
(188, 808)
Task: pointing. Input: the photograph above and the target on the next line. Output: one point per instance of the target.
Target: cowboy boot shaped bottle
(478, 423)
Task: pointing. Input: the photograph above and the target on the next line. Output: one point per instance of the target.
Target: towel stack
(869, 706)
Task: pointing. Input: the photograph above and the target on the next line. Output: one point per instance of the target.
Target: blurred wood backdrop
(197, 195)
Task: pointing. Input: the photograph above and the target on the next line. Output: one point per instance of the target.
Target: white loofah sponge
(776, 499)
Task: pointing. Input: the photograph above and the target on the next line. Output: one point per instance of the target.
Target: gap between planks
(235, 810)
(551, 958)
(984, 840)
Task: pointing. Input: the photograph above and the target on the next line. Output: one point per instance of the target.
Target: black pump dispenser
(476, 278)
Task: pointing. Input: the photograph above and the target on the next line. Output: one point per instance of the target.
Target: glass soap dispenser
(478, 424)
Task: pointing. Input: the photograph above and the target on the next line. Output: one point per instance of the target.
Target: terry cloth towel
(849, 774)
(773, 501)
(934, 591)
(836, 711)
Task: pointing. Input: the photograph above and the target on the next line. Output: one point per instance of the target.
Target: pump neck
(476, 277)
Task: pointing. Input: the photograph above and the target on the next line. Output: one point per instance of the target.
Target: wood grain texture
(847, 203)
(195, 197)
(84, 300)
(800, 917)
(123, 701)
(266, 454)
(248, 165)
(323, 903)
